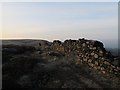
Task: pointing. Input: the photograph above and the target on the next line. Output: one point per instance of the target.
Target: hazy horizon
(61, 20)
(107, 43)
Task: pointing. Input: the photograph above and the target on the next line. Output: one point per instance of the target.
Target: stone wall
(88, 52)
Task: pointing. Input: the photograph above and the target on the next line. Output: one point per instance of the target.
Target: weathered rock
(92, 54)
(83, 44)
(96, 56)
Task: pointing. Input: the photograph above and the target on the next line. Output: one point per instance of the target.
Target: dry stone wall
(88, 52)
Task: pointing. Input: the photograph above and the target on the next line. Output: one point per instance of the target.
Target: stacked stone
(88, 52)
(56, 44)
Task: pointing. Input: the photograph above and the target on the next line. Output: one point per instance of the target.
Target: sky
(59, 1)
(61, 20)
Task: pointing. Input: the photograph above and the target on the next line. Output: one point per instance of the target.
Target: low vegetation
(43, 67)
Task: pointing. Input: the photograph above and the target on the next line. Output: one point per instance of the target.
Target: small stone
(102, 68)
(101, 52)
(96, 63)
(96, 56)
(118, 68)
(112, 66)
(94, 48)
(95, 68)
(89, 60)
(107, 63)
(116, 73)
(83, 44)
(115, 70)
(91, 64)
(92, 54)
(102, 58)
(82, 56)
(87, 42)
(103, 72)
(90, 48)
(85, 60)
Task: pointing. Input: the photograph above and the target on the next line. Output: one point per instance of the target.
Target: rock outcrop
(88, 52)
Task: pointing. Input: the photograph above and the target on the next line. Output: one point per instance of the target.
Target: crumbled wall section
(88, 52)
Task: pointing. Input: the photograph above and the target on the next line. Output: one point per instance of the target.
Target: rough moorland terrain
(69, 64)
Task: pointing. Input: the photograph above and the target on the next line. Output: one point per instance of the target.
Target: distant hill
(29, 42)
(114, 51)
